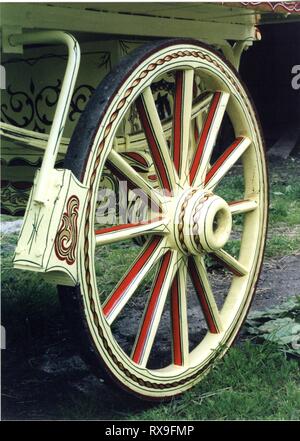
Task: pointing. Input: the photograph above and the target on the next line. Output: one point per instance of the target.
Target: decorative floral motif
(14, 198)
(80, 98)
(67, 235)
(31, 106)
(277, 6)
(47, 98)
(36, 107)
(25, 109)
(21, 105)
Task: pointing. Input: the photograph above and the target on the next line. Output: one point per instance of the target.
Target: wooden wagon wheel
(190, 225)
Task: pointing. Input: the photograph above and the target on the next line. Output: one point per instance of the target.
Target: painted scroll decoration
(67, 235)
(289, 7)
(35, 109)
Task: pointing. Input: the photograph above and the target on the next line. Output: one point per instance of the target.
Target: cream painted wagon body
(128, 137)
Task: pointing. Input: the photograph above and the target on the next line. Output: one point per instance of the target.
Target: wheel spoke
(180, 334)
(243, 206)
(202, 286)
(201, 103)
(182, 120)
(232, 264)
(120, 168)
(208, 138)
(193, 136)
(129, 231)
(154, 309)
(137, 141)
(226, 161)
(156, 140)
(151, 252)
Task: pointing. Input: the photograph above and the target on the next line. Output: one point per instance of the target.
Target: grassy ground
(253, 382)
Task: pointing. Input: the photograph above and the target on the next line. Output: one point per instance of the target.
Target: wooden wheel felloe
(181, 298)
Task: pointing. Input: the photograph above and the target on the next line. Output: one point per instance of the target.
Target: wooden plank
(37, 16)
(286, 144)
(198, 11)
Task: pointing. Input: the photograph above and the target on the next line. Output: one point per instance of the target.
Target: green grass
(284, 207)
(252, 382)
(280, 245)
(113, 261)
(285, 195)
(276, 246)
(231, 188)
(29, 304)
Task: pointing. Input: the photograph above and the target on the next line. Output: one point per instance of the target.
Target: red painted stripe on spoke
(238, 202)
(125, 226)
(222, 158)
(158, 159)
(136, 157)
(146, 326)
(229, 267)
(204, 135)
(201, 295)
(133, 272)
(177, 124)
(176, 331)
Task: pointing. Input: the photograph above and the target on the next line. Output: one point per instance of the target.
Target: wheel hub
(204, 223)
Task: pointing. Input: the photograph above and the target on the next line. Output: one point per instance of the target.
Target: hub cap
(203, 224)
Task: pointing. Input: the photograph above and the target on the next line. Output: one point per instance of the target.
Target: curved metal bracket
(61, 111)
